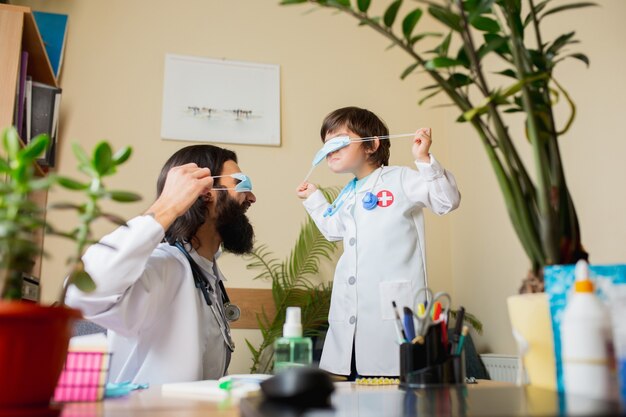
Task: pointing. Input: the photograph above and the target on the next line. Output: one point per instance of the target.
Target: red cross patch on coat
(385, 198)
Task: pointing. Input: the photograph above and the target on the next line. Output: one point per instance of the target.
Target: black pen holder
(430, 364)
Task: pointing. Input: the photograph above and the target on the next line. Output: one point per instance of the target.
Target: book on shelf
(53, 30)
(20, 98)
(28, 98)
(45, 105)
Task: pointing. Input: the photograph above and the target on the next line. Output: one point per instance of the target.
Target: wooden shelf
(18, 32)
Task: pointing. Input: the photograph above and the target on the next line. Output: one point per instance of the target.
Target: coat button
(352, 241)
(351, 280)
(352, 320)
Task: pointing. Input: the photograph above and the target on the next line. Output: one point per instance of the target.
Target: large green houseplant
(522, 81)
(34, 338)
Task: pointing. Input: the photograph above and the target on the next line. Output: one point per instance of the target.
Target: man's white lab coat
(160, 329)
(383, 261)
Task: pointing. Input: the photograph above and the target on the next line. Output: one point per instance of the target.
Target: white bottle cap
(582, 283)
(293, 324)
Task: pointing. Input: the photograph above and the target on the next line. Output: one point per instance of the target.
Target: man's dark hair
(365, 124)
(186, 226)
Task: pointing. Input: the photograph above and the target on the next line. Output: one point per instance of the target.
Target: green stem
(546, 223)
(527, 231)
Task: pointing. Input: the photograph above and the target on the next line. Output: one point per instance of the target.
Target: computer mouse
(301, 386)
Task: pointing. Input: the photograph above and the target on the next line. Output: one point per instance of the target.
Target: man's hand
(305, 189)
(421, 145)
(183, 185)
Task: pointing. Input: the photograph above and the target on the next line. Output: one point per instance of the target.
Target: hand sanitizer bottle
(586, 341)
(292, 349)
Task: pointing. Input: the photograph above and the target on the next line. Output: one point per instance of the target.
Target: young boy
(380, 220)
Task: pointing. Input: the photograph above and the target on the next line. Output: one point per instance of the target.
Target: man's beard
(234, 226)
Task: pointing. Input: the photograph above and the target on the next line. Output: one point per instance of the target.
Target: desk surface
(485, 398)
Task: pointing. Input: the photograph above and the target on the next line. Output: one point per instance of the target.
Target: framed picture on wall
(210, 100)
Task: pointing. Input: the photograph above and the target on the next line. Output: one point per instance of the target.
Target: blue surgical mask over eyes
(331, 146)
(244, 185)
(340, 142)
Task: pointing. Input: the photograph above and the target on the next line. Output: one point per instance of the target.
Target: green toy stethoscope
(370, 200)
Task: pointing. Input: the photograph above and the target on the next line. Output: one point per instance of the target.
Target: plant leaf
(102, 157)
(390, 14)
(409, 70)
(433, 94)
(122, 155)
(35, 147)
(457, 80)
(71, 184)
(580, 57)
(441, 62)
(123, 196)
(568, 7)
(339, 3)
(114, 219)
(485, 24)
(445, 45)
(363, 5)
(410, 21)
(445, 16)
(11, 142)
(80, 154)
(83, 281)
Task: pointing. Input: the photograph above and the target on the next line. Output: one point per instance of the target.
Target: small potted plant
(34, 338)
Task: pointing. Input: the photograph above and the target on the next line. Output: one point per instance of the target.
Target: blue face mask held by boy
(340, 142)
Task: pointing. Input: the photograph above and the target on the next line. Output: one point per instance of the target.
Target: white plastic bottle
(586, 341)
(292, 349)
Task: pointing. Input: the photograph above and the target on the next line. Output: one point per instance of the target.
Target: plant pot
(532, 328)
(33, 348)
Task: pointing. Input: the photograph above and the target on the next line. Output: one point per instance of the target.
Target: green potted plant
(34, 338)
(521, 81)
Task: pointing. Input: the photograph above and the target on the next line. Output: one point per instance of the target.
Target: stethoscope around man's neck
(231, 311)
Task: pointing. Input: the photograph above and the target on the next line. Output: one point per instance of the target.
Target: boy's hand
(305, 189)
(421, 145)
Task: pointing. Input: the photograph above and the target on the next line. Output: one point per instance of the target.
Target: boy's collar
(375, 177)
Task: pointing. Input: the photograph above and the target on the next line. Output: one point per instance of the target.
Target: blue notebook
(53, 30)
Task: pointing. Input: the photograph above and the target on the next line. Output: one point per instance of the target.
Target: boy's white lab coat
(160, 329)
(383, 261)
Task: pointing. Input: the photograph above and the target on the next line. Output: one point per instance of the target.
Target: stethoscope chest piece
(370, 201)
(232, 312)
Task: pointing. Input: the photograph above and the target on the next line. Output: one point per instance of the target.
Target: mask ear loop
(247, 190)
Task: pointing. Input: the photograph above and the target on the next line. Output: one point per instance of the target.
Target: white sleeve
(431, 186)
(331, 227)
(132, 280)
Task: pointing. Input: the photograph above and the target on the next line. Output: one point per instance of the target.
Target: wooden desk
(484, 398)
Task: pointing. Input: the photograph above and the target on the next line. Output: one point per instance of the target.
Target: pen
(464, 333)
(409, 326)
(399, 329)
(458, 326)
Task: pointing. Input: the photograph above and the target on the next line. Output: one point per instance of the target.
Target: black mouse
(301, 386)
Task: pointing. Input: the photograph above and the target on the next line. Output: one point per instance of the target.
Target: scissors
(426, 319)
